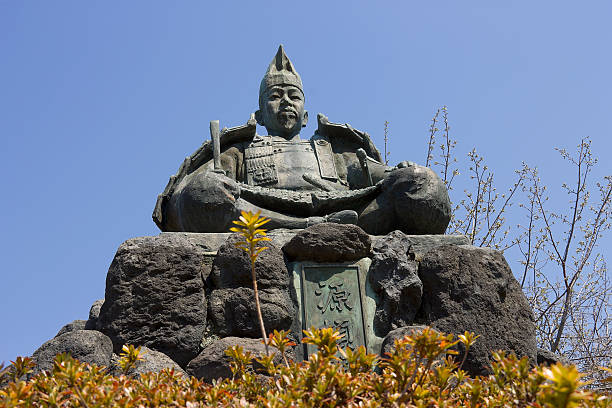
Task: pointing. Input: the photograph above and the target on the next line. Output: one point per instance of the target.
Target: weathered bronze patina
(337, 295)
(331, 298)
(337, 175)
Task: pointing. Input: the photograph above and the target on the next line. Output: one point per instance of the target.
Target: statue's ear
(259, 117)
(305, 120)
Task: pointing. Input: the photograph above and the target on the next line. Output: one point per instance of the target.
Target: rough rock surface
(72, 326)
(232, 267)
(388, 344)
(152, 361)
(232, 311)
(208, 242)
(547, 357)
(419, 245)
(94, 312)
(329, 242)
(155, 295)
(394, 277)
(232, 303)
(471, 288)
(88, 346)
(213, 363)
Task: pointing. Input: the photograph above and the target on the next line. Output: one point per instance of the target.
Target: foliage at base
(420, 372)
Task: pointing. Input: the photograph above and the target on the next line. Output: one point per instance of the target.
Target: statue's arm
(232, 163)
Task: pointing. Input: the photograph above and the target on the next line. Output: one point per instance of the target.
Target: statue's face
(282, 110)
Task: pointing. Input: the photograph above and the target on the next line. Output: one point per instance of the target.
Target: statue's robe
(267, 173)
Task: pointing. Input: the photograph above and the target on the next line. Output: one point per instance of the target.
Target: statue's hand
(310, 221)
(343, 217)
(340, 217)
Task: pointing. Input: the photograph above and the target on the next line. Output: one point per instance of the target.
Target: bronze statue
(335, 176)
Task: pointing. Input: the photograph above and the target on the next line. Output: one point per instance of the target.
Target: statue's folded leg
(204, 202)
(209, 202)
(412, 199)
(277, 220)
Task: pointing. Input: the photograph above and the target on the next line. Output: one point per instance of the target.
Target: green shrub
(420, 372)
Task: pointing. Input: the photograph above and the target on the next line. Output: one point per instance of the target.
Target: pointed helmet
(280, 72)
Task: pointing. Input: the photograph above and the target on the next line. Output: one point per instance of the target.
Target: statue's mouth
(287, 114)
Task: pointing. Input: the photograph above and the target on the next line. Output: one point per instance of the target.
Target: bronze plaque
(331, 297)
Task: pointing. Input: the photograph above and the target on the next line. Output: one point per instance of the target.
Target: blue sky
(101, 101)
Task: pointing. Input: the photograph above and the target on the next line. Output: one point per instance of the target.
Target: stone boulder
(473, 289)
(233, 312)
(87, 346)
(232, 303)
(152, 361)
(155, 295)
(72, 326)
(212, 363)
(388, 345)
(419, 245)
(394, 277)
(548, 358)
(329, 242)
(94, 312)
(232, 267)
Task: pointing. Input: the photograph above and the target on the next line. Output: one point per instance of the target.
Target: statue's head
(281, 98)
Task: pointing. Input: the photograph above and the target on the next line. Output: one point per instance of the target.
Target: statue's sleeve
(232, 161)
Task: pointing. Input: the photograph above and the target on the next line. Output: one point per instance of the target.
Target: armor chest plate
(277, 163)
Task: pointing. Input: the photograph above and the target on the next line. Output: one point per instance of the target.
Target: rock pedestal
(190, 295)
(90, 346)
(473, 289)
(232, 301)
(156, 295)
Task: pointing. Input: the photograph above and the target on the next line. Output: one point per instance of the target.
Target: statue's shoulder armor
(342, 136)
(227, 137)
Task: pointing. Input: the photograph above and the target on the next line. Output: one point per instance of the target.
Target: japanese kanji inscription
(337, 295)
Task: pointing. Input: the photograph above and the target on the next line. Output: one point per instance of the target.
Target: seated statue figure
(335, 176)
